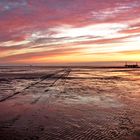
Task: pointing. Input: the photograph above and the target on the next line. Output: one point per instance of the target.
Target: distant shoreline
(92, 67)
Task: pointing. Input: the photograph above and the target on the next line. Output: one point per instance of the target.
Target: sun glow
(76, 33)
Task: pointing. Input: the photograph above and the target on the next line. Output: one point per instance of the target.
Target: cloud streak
(46, 30)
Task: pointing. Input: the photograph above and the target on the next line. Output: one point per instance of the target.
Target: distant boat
(131, 65)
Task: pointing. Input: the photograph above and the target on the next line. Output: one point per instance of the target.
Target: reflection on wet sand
(69, 104)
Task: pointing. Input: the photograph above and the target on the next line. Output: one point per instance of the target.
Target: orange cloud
(68, 31)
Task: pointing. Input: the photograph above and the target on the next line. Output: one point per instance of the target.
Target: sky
(69, 31)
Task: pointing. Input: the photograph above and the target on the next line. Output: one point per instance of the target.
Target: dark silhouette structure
(131, 65)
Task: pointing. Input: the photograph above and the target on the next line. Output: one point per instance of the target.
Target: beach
(63, 103)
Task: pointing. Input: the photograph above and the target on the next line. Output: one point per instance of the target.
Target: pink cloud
(33, 21)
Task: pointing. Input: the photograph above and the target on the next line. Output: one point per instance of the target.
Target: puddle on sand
(102, 101)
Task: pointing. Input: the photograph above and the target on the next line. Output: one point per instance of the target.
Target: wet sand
(40, 103)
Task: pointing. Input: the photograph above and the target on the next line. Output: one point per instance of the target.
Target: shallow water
(40, 103)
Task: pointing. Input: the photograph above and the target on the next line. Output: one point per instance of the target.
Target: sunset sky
(69, 31)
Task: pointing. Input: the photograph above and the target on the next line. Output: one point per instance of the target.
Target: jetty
(131, 65)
